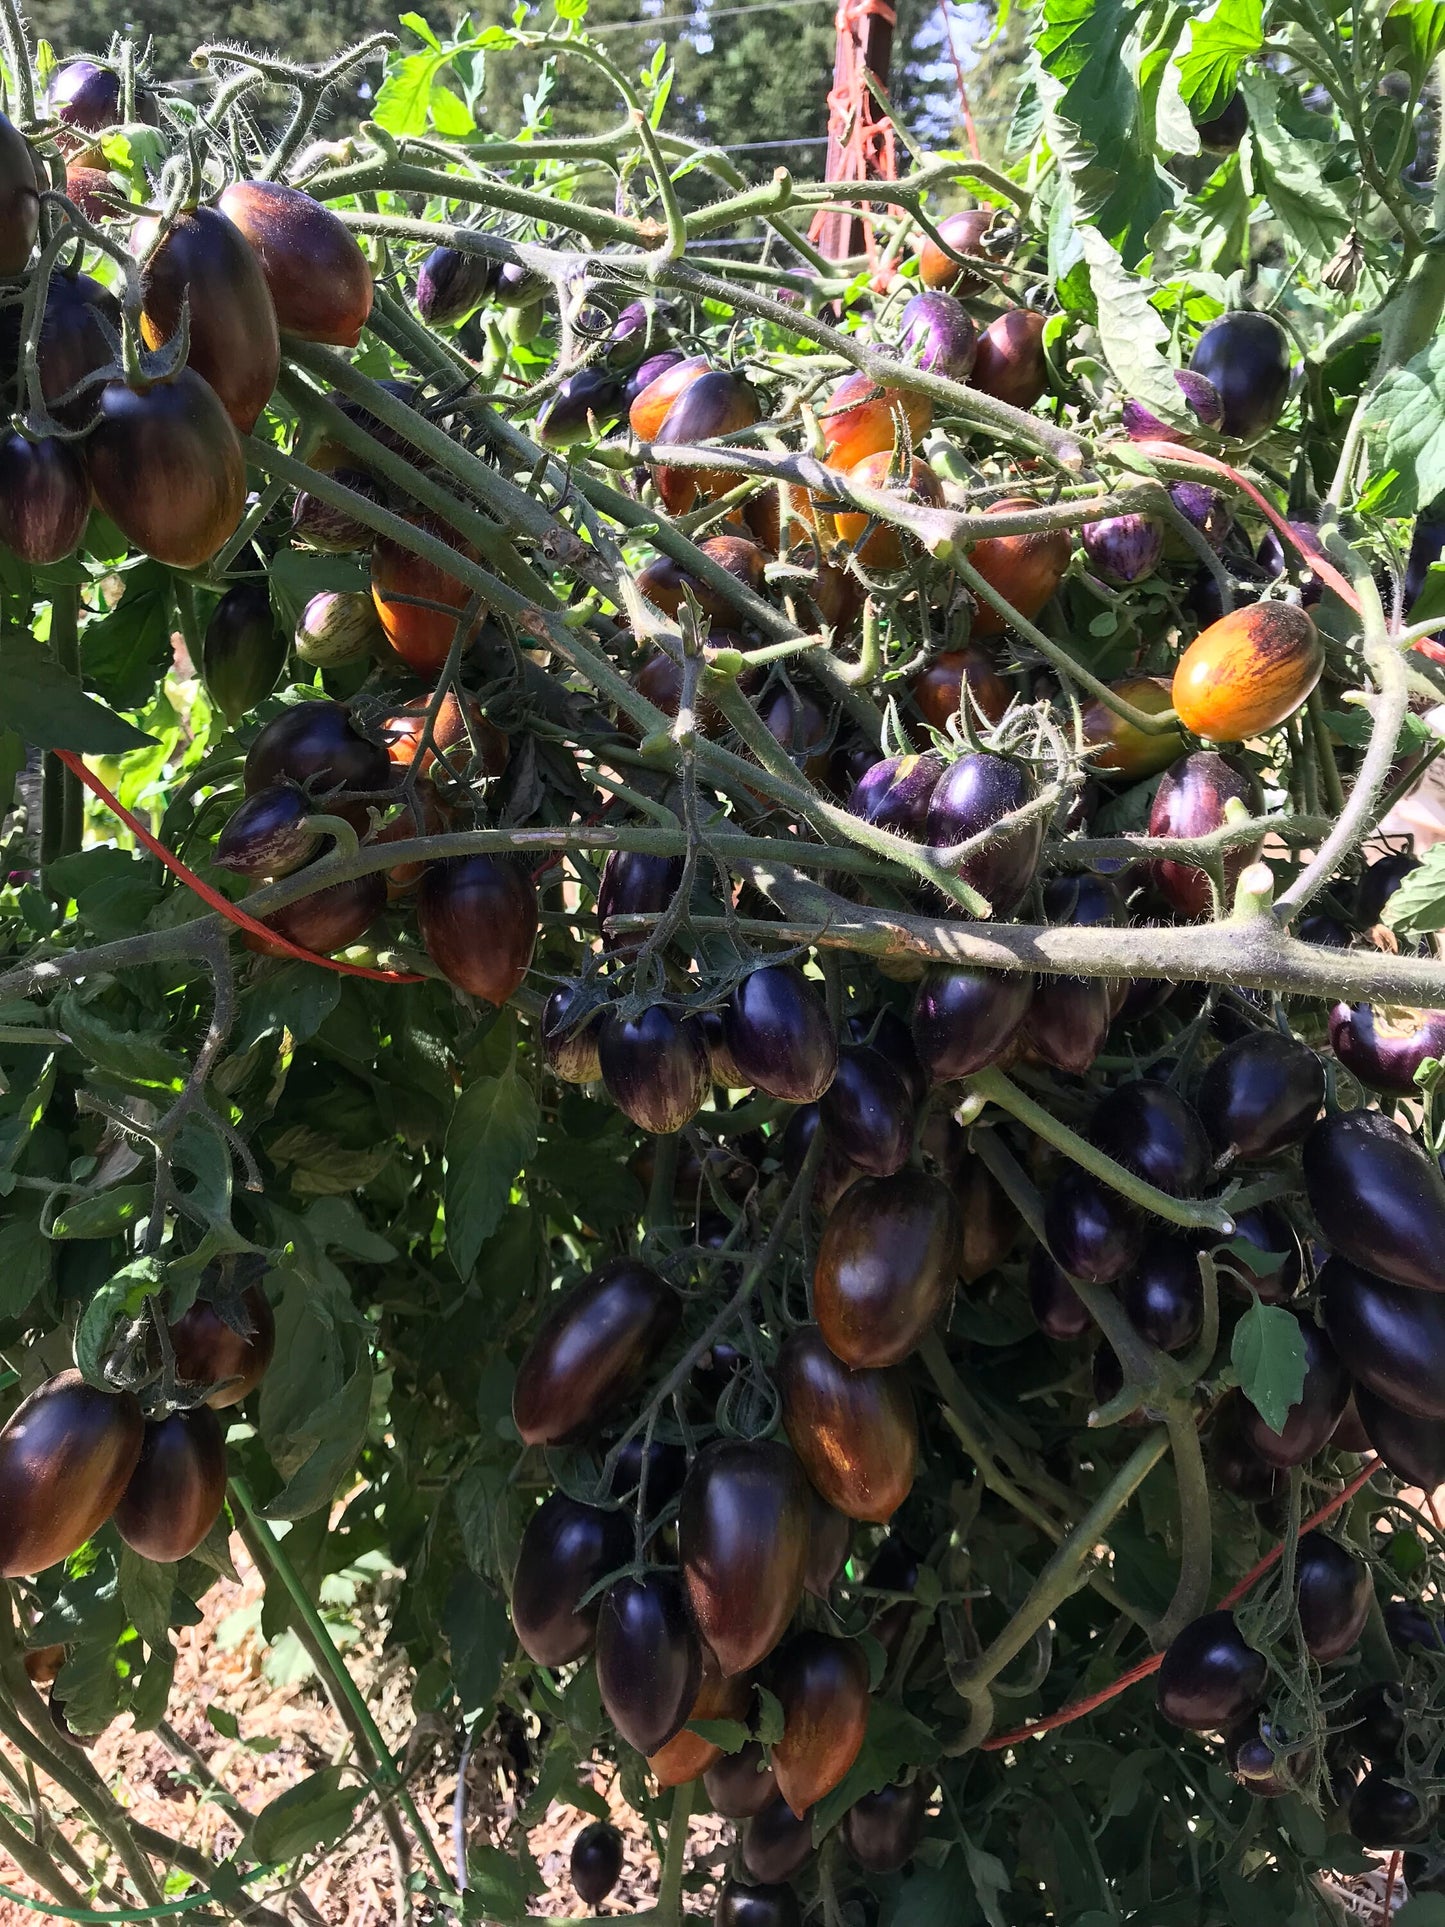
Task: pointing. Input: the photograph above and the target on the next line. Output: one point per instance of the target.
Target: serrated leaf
(1419, 902)
(120, 1296)
(770, 1718)
(126, 652)
(314, 1813)
(1415, 31)
(990, 1880)
(1218, 45)
(1132, 333)
(493, 1134)
(24, 1264)
(50, 709)
(1268, 1353)
(1405, 425)
(1290, 168)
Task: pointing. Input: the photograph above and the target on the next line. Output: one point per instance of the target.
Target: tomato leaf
(730, 1735)
(894, 1742)
(1131, 330)
(314, 1813)
(49, 708)
(1218, 46)
(146, 1591)
(1268, 1353)
(1406, 426)
(1419, 902)
(1425, 1910)
(125, 652)
(493, 1134)
(481, 1639)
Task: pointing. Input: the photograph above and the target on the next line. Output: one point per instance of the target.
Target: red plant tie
(867, 143)
(230, 911)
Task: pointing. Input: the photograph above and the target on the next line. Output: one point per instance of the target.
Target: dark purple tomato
(327, 920)
(666, 1466)
(964, 1019)
(583, 407)
(19, 198)
(1277, 559)
(1011, 366)
(1350, 1435)
(741, 1784)
(777, 1843)
(81, 316)
(1190, 802)
(743, 1542)
(886, 1267)
(640, 331)
(86, 96)
(649, 1661)
(990, 1219)
(167, 467)
(244, 652)
(779, 1035)
(592, 1352)
(570, 1041)
(1382, 1052)
(633, 885)
(478, 920)
(655, 1067)
(974, 794)
(1124, 548)
(888, 1033)
(830, 1540)
(1334, 1592)
(567, 1549)
(855, 1432)
(1235, 1464)
(1206, 509)
(1413, 1448)
(316, 745)
(937, 332)
(44, 498)
(1411, 1628)
(1246, 357)
(1164, 1295)
(1068, 1021)
(1383, 1813)
(1083, 899)
(1060, 1312)
(1261, 1093)
(318, 277)
(1376, 1722)
(67, 1453)
(867, 1112)
(1378, 883)
(1093, 1233)
(1378, 1197)
(1154, 1133)
(450, 283)
(176, 1492)
(596, 1862)
(1393, 1336)
(1268, 1231)
(895, 794)
(1314, 1416)
(1223, 132)
(210, 1351)
(834, 1173)
(822, 1684)
(739, 1905)
(882, 1830)
(1210, 1678)
(267, 835)
(205, 266)
(1327, 931)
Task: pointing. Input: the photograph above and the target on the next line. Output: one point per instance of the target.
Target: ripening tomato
(594, 1348)
(650, 408)
(319, 279)
(328, 920)
(458, 738)
(1248, 672)
(44, 497)
(887, 547)
(402, 580)
(1024, 569)
(964, 232)
(1116, 747)
(478, 920)
(886, 1267)
(201, 263)
(822, 1684)
(1010, 364)
(743, 1541)
(66, 1455)
(717, 403)
(688, 1754)
(175, 1494)
(75, 344)
(860, 419)
(938, 689)
(210, 1351)
(167, 468)
(855, 1431)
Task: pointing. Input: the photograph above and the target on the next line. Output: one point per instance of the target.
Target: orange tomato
(687, 1754)
(450, 738)
(859, 419)
(649, 411)
(1247, 672)
(1118, 748)
(421, 636)
(1026, 569)
(964, 233)
(887, 547)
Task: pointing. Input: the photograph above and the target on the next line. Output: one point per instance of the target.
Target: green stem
(674, 1864)
(1196, 1525)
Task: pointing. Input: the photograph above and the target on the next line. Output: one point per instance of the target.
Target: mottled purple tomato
(1068, 1021)
(267, 835)
(649, 1661)
(1010, 363)
(166, 466)
(77, 336)
(570, 1029)
(584, 406)
(201, 264)
(779, 1035)
(777, 1843)
(743, 1541)
(894, 794)
(592, 1351)
(66, 1455)
(1261, 1759)
(210, 1351)
(596, 1862)
(1378, 883)
(1315, 1414)
(830, 1541)
(1210, 1678)
(1334, 1592)
(822, 1685)
(450, 283)
(1384, 1050)
(882, 1830)
(1116, 747)
(883, 546)
(855, 1432)
(1246, 358)
(1226, 128)
(1261, 1093)
(1093, 1233)
(716, 403)
(741, 1784)
(478, 919)
(973, 795)
(1154, 1133)
(1191, 802)
(316, 745)
(655, 1067)
(19, 198)
(1235, 1464)
(664, 580)
(418, 601)
(567, 1548)
(175, 1494)
(319, 279)
(769, 1905)
(886, 1267)
(1377, 1721)
(1124, 548)
(1378, 1196)
(990, 1219)
(939, 689)
(652, 401)
(633, 884)
(44, 498)
(936, 332)
(1276, 1276)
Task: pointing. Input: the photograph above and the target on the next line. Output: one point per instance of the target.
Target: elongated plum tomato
(859, 419)
(634, 884)
(1010, 363)
(867, 1112)
(650, 406)
(1334, 1592)
(166, 466)
(1246, 357)
(882, 1830)
(1209, 1677)
(567, 1548)
(655, 1067)
(1154, 1133)
(717, 403)
(1384, 1050)
(1266, 1229)
(687, 1755)
(1261, 1093)
(583, 407)
(1378, 1196)
(973, 794)
(317, 745)
(44, 498)
(337, 626)
(1068, 1020)
(209, 1351)
(201, 263)
(886, 1267)
(938, 267)
(400, 581)
(66, 1455)
(1191, 802)
(936, 332)
(594, 1348)
(768, 1905)
(822, 1684)
(596, 1861)
(1116, 746)
(664, 580)
(327, 920)
(854, 1431)
(19, 198)
(243, 652)
(741, 1784)
(1024, 569)
(174, 1496)
(939, 688)
(267, 836)
(319, 279)
(777, 1843)
(742, 1534)
(964, 1019)
(779, 1035)
(1413, 1448)
(1314, 1414)
(1392, 1335)
(1164, 1295)
(1093, 1233)
(478, 919)
(74, 344)
(1248, 672)
(649, 1661)
(887, 548)
(1058, 1310)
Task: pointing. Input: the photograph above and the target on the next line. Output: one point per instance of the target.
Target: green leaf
(1414, 30)
(1290, 167)
(1131, 330)
(401, 106)
(316, 1396)
(104, 1215)
(224, 1723)
(990, 1880)
(731, 1735)
(929, 1897)
(1354, 726)
(770, 1718)
(126, 652)
(120, 1296)
(1268, 1353)
(49, 708)
(24, 1265)
(499, 1886)
(1406, 430)
(151, 1690)
(493, 1134)
(136, 1056)
(114, 890)
(314, 1813)
(1218, 46)
(480, 1635)
(1425, 1910)
(1419, 902)
(146, 1590)
(894, 1743)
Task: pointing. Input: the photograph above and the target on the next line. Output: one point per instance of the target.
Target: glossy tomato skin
(74, 344)
(1209, 1677)
(1392, 1335)
(649, 1662)
(633, 884)
(1310, 1421)
(203, 264)
(653, 400)
(716, 403)
(1124, 548)
(595, 1864)
(1413, 1448)
(1059, 1311)
(830, 1541)
(687, 1755)
(859, 419)
(330, 530)
(316, 745)
(855, 1432)
(570, 1040)
(741, 1784)
(1010, 363)
(655, 1067)
(450, 283)
(1377, 1722)
(422, 637)
(66, 1455)
(1382, 1054)
(1271, 1233)
(1068, 1021)
(1378, 883)
(882, 1830)
(663, 580)
(166, 466)
(461, 738)
(1246, 358)
(939, 688)
(936, 332)
(964, 232)
(895, 794)
(208, 1352)
(1233, 1461)
(743, 1541)
(887, 548)
(1334, 1591)
(886, 1267)
(1191, 802)
(1164, 1295)
(478, 919)
(566, 1549)
(318, 278)
(1024, 569)
(867, 1112)
(1378, 1196)
(592, 1351)
(1248, 672)
(583, 406)
(19, 198)
(1154, 1133)
(44, 498)
(1382, 1813)
(1262, 1093)
(244, 652)
(328, 920)
(741, 1905)
(965, 1019)
(266, 836)
(822, 1684)
(890, 1036)
(175, 1494)
(1116, 747)
(974, 793)
(779, 1035)
(777, 1843)
(1093, 1233)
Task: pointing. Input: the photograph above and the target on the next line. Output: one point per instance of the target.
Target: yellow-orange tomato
(688, 1754)
(886, 547)
(421, 636)
(964, 233)
(649, 410)
(1247, 672)
(1117, 747)
(451, 740)
(937, 688)
(1025, 569)
(859, 419)
(423, 815)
